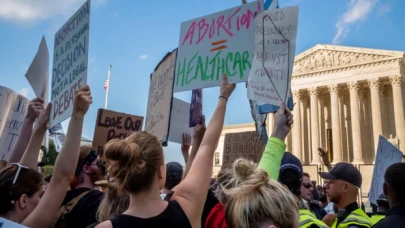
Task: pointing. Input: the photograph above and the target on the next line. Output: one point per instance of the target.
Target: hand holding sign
(43, 118)
(83, 99)
(283, 120)
(199, 130)
(226, 88)
(35, 107)
(186, 143)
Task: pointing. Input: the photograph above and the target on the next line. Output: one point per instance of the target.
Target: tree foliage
(50, 156)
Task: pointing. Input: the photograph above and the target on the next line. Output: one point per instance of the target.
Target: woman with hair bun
(137, 165)
(257, 201)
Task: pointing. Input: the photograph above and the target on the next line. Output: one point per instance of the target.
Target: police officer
(344, 182)
(382, 210)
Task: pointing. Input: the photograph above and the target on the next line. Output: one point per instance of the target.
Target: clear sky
(133, 36)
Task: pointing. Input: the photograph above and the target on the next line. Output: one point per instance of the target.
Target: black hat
(289, 161)
(344, 171)
(174, 170)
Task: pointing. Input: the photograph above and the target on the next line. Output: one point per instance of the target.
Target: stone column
(336, 131)
(314, 125)
(374, 85)
(321, 107)
(304, 129)
(396, 82)
(296, 137)
(355, 118)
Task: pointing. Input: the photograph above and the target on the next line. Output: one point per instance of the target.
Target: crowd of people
(140, 190)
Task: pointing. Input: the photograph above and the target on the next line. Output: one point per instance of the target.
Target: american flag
(106, 84)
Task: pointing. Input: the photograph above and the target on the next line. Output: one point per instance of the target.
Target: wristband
(223, 97)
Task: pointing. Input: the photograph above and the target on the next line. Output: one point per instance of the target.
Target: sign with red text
(275, 37)
(242, 145)
(70, 62)
(12, 112)
(219, 43)
(387, 154)
(160, 98)
(114, 125)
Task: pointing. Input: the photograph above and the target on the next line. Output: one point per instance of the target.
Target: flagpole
(108, 87)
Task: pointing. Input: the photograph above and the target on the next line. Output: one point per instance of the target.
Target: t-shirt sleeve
(271, 158)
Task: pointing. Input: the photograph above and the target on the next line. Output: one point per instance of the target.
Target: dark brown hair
(84, 151)
(134, 161)
(29, 181)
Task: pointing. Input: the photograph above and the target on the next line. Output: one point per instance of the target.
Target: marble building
(345, 97)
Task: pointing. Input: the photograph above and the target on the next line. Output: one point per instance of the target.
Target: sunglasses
(17, 174)
(307, 185)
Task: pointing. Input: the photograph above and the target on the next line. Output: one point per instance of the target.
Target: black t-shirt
(172, 216)
(210, 202)
(84, 213)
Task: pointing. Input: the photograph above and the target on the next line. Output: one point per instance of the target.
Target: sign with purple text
(275, 36)
(196, 108)
(219, 43)
(387, 154)
(70, 62)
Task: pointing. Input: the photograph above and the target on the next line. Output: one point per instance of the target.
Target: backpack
(61, 216)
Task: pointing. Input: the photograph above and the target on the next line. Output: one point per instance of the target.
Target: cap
(289, 161)
(344, 171)
(174, 170)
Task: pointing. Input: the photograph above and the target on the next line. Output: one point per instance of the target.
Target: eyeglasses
(18, 171)
(16, 175)
(307, 185)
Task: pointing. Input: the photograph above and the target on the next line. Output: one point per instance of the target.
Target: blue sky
(133, 36)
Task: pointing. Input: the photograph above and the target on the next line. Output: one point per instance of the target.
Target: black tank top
(172, 216)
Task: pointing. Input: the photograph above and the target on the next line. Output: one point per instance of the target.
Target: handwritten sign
(58, 136)
(196, 108)
(387, 154)
(219, 43)
(12, 112)
(70, 61)
(160, 97)
(275, 37)
(114, 125)
(242, 145)
(38, 72)
(179, 124)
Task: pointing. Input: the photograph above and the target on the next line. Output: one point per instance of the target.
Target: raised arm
(44, 214)
(275, 148)
(192, 191)
(34, 109)
(30, 155)
(185, 146)
(324, 155)
(198, 135)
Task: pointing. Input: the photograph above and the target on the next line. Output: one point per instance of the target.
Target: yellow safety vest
(357, 217)
(307, 219)
(376, 218)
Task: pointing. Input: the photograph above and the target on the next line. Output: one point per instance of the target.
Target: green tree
(50, 156)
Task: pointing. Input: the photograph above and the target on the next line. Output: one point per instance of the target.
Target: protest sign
(114, 125)
(219, 43)
(58, 136)
(160, 98)
(275, 36)
(242, 145)
(179, 117)
(196, 108)
(12, 112)
(38, 72)
(70, 62)
(387, 154)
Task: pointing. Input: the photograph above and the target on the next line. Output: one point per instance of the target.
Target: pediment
(328, 57)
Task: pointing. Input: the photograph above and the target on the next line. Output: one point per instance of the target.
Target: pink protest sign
(387, 154)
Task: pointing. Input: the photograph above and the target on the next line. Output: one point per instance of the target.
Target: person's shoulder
(105, 224)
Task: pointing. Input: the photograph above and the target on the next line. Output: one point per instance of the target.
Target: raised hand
(43, 118)
(226, 88)
(83, 99)
(199, 130)
(324, 155)
(35, 107)
(186, 143)
(283, 120)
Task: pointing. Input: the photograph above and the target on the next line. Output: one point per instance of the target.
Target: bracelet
(223, 97)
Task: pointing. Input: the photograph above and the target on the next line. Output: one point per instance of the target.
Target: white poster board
(160, 96)
(12, 112)
(38, 72)
(219, 43)
(387, 154)
(70, 62)
(275, 38)
(179, 121)
(5, 223)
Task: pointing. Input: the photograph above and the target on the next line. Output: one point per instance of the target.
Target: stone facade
(345, 97)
